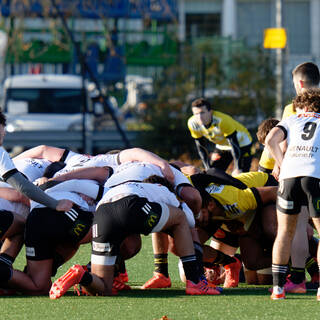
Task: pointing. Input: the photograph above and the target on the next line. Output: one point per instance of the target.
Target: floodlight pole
(85, 67)
(279, 64)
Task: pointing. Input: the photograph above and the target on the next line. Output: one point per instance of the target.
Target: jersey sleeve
(227, 125)
(192, 126)
(6, 164)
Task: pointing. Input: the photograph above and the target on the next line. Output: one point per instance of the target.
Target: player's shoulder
(193, 124)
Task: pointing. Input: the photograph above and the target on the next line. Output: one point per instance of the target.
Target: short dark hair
(265, 127)
(309, 98)
(309, 72)
(3, 120)
(160, 180)
(201, 102)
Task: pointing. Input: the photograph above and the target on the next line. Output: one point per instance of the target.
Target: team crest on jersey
(214, 188)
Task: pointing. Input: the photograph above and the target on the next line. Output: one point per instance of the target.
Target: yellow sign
(275, 38)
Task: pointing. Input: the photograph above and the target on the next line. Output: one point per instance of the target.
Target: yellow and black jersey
(253, 179)
(266, 162)
(221, 127)
(288, 111)
(237, 204)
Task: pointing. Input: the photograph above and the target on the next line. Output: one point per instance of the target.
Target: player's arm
(273, 140)
(203, 151)
(221, 177)
(138, 154)
(235, 150)
(13, 195)
(42, 152)
(20, 183)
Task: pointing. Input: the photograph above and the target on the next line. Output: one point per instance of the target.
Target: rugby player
(134, 208)
(230, 139)
(299, 178)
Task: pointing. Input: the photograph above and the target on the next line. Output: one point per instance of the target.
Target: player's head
(201, 109)
(3, 121)
(308, 100)
(264, 128)
(305, 75)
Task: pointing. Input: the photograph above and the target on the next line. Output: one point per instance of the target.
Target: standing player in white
(299, 178)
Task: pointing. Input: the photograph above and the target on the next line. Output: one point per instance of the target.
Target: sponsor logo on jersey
(214, 188)
(101, 247)
(78, 229)
(30, 252)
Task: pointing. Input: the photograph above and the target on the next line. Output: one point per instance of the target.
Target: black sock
(161, 264)
(223, 258)
(190, 267)
(199, 254)
(7, 257)
(86, 279)
(279, 273)
(312, 266)
(297, 275)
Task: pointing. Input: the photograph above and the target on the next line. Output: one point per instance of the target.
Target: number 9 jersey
(302, 157)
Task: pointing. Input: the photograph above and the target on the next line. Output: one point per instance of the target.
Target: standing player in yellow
(231, 140)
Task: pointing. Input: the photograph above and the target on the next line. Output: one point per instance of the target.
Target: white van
(35, 102)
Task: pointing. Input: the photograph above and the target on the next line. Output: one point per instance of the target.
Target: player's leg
(288, 207)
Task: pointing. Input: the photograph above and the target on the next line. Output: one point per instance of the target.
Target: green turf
(245, 302)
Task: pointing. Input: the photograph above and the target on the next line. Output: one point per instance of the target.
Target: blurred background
(100, 75)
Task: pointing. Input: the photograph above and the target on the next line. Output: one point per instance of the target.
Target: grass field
(245, 302)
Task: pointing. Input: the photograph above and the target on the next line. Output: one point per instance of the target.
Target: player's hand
(203, 218)
(64, 205)
(40, 181)
(167, 172)
(276, 172)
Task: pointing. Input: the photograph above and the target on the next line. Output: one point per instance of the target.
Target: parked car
(34, 102)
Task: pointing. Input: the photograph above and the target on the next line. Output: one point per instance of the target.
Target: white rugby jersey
(6, 163)
(153, 192)
(15, 207)
(71, 190)
(75, 161)
(31, 168)
(138, 171)
(302, 157)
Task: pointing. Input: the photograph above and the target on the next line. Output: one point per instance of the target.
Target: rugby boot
(119, 285)
(124, 276)
(201, 288)
(291, 287)
(278, 293)
(158, 281)
(69, 279)
(232, 273)
(213, 275)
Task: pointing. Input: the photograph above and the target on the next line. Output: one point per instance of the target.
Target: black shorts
(114, 221)
(6, 220)
(296, 192)
(46, 228)
(225, 158)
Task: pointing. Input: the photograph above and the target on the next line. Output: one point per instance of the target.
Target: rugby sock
(86, 279)
(199, 254)
(7, 257)
(190, 267)
(161, 264)
(297, 275)
(279, 273)
(311, 266)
